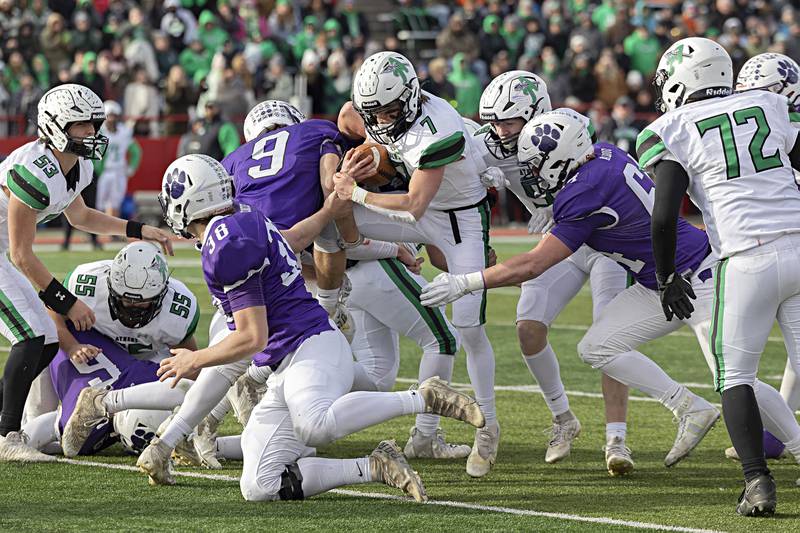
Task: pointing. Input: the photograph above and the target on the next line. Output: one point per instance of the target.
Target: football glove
(493, 177)
(446, 288)
(541, 220)
(676, 296)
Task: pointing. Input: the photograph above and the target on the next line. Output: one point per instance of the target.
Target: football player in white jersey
(39, 181)
(443, 203)
(507, 104)
(145, 313)
(734, 153)
(120, 162)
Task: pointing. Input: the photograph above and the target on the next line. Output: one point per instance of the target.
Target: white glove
(493, 177)
(541, 220)
(446, 288)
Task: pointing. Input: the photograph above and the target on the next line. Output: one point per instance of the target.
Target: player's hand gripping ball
(369, 164)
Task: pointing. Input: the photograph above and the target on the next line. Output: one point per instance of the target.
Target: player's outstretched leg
(88, 413)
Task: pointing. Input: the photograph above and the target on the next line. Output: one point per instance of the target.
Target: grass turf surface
(698, 493)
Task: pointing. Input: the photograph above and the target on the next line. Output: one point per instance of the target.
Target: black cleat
(759, 497)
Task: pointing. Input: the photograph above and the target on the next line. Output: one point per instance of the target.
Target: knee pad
(591, 353)
(474, 337)
(313, 433)
(286, 486)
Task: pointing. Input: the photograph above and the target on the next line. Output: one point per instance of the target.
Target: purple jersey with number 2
(277, 173)
(247, 263)
(114, 368)
(608, 205)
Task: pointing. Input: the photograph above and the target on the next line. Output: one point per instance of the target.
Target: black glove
(676, 296)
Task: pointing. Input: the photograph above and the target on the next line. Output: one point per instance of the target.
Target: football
(384, 170)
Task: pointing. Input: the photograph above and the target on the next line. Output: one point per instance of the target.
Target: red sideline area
(157, 154)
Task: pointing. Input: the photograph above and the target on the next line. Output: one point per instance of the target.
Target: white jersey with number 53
(175, 323)
(735, 151)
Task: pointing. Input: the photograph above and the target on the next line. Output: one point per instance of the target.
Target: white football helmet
(692, 69)
(772, 72)
(551, 147)
(137, 427)
(112, 108)
(194, 186)
(270, 113)
(139, 275)
(387, 82)
(513, 94)
(62, 106)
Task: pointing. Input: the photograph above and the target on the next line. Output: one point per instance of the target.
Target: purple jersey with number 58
(277, 173)
(608, 205)
(247, 263)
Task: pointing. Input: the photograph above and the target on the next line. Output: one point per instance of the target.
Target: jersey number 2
(722, 122)
(275, 153)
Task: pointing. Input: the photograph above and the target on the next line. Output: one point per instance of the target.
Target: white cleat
(156, 463)
(562, 435)
(618, 457)
(14, 448)
(89, 413)
(484, 451)
(389, 466)
(244, 395)
(697, 419)
(184, 453)
(205, 443)
(434, 446)
(442, 399)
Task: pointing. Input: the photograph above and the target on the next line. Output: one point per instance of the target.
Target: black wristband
(57, 297)
(134, 229)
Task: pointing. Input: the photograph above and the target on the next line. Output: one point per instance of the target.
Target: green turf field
(521, 493)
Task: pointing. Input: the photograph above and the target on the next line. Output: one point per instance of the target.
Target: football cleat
(156, 463)
(205, 442)
(618, 457)
(184, 453)
(389, 466)
(484, 451)
(692, 427)
(244, 395)
(442, 399)
(14, 448)
(89, 412)
(562, 435)
(434, 446)
(759, 497)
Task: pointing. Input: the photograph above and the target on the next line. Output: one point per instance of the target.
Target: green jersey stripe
(717, 317)
(644, 137)
(26, 192)
(794, 116)
(192, 325)
(34, 182)
(483, 209)
(651, 153)
(443, 152)
(13, 320)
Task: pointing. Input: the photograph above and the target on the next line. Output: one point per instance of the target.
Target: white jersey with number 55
(175, 323)
(438, 138)
(735, 151)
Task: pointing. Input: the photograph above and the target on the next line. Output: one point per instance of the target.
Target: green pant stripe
(483, 209)
(716, 325)
(11, 317)
(432, 316)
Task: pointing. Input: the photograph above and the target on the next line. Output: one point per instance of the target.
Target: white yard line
(443, 503)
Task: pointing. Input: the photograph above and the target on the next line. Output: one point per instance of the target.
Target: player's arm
(250, 337)
(350, 122)
(77, 352)
(672, 181)
(91, 220)
(304, 232)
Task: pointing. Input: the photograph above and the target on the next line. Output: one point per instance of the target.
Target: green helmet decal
(674, 57)
(528, 86)
(398, 68)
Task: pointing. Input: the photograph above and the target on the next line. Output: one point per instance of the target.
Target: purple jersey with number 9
(277, 173)
(114, 368)
(608, 205)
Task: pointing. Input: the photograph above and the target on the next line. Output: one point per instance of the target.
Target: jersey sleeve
(184, 310)
(29, 182)
(332, 141)
(650, 148)
(236, 251)
(794, 130)
(86, 281)
(443, 151)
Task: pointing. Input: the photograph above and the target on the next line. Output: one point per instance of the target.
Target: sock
(321, 475)
(259, 374)
(790, 387)
(327, 298)
(616, 429)
(42, 430)
(221, 409)
(776, 416)
(545, 370)
(230, 448)
(155, 395)
(359, 410)
(793, 447)
(19, 373)
(480, 367)
(433, 364)
(745, 430)
(201, 398)
(636, 370)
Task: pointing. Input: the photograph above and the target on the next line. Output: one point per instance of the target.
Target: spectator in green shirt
(305, 39)
(468, 87)
(211, 34)
(643, 50)
(195, 58)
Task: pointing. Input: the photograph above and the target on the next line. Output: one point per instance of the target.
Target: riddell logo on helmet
(718, 91)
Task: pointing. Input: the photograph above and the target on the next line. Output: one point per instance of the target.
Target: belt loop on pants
(454, 220)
